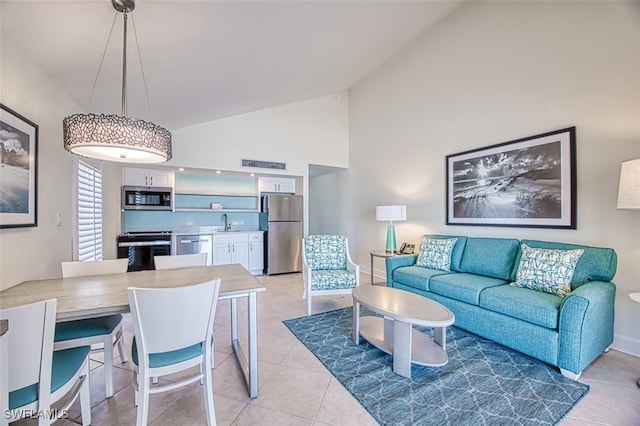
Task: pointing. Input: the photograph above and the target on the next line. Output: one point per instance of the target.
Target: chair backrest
(99, 267)
(180, 261)
(325, 251)
(31, 329)
(167, 319)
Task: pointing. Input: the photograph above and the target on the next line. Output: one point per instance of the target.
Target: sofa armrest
(586, 324)
(398, 262)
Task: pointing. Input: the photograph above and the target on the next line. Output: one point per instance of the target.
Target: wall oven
(140, 247)
(146, 198)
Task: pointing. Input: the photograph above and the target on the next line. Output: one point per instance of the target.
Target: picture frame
(528, 182)
(18, 170)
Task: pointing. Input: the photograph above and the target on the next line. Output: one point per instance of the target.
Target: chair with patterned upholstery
(327, 268)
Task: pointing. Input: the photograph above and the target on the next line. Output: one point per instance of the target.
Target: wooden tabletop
(99, 295)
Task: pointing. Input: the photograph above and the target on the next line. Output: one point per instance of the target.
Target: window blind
(89, 212)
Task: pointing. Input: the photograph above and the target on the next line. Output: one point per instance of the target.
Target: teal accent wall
(140, 220)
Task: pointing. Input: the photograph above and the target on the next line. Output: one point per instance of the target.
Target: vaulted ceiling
(205, 60)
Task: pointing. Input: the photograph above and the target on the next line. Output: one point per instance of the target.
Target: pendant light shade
(117, 137)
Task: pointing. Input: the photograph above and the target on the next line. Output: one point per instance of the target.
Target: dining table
(101, 295)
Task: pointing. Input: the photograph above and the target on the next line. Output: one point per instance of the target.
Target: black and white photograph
(528, 182)
(18, 170)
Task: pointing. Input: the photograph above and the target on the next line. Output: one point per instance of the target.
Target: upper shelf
(205, 184)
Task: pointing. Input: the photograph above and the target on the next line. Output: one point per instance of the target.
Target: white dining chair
(105, 331)
(180, 261)
(38, 376)
(173, 330)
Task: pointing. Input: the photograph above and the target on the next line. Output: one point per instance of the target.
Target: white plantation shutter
(89, 212)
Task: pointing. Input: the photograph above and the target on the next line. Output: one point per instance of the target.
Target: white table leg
(356, 322)
(371, 255)
(388, 330)
(253, 346)
(440, 336)
(234, 319)
(248, 366)
(402, 348)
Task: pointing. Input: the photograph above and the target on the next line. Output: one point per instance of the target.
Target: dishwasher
(190, 244)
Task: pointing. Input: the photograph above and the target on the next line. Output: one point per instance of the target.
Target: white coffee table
(394, 333)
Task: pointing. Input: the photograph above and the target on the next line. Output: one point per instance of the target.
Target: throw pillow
(435, 253)
(547, 270)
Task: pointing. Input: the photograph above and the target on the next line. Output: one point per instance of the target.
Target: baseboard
(626, 344)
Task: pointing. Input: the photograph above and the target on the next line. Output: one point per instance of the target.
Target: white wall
(494, 72)
(36, 253)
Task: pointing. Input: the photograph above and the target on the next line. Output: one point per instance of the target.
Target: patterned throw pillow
(547, 270)
(435, 253)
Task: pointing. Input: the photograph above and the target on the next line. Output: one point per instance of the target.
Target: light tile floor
(295, 389)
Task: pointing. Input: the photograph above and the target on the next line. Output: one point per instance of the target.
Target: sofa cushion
(458, 248)
(493, 257)
(435, 253)
(548, 270)
(536, 307)
(416, 276)
(595, 264)
(463, 287)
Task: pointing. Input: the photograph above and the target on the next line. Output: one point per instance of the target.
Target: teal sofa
(567, 332)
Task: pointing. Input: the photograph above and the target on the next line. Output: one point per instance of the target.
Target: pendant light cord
(104, 53)
(124, 65)
(144, 79)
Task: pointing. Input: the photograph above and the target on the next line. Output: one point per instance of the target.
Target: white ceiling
(205, 60)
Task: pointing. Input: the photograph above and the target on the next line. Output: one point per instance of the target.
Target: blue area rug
(483, 384)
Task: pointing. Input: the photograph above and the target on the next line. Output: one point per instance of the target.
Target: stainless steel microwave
(146, 198)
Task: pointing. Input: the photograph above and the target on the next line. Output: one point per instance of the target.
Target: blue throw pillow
(435, 253)
(547, 270)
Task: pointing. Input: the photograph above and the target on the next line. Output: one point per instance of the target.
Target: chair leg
(308, 303)
(85, 399)
(143, 400)
(108, 365)
(208, 396)
(120, 343)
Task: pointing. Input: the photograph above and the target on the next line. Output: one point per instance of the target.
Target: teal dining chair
(101, 332)
(173, 330)
(39, 378)
(327, 268)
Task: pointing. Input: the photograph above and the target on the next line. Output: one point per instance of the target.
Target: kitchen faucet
(227, 227)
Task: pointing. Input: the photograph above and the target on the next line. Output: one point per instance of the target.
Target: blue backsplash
(133, 220)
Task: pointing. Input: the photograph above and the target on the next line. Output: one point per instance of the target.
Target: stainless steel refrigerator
(281, 219)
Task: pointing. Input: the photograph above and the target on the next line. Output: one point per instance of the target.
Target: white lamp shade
(391, 213)
(629, 188)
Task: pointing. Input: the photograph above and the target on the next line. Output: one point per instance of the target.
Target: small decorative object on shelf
(216, 206)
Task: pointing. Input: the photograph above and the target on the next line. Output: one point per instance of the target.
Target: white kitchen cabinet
(231, 248)
(256, 254)
(277, 184)
(147, 177)
(244, 248)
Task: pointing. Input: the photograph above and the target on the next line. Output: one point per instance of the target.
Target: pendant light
(117, 137)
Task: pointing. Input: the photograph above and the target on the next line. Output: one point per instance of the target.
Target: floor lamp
(390, 214)
(629, 198)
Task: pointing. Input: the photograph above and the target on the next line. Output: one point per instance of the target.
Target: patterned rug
(483, 384)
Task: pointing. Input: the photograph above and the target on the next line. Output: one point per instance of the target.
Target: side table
(636, 298)
(381, 254)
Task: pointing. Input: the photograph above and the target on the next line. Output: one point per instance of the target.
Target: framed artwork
(18, 170)
(529, 182)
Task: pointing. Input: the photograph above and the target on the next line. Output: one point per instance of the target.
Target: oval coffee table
(394, 333)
